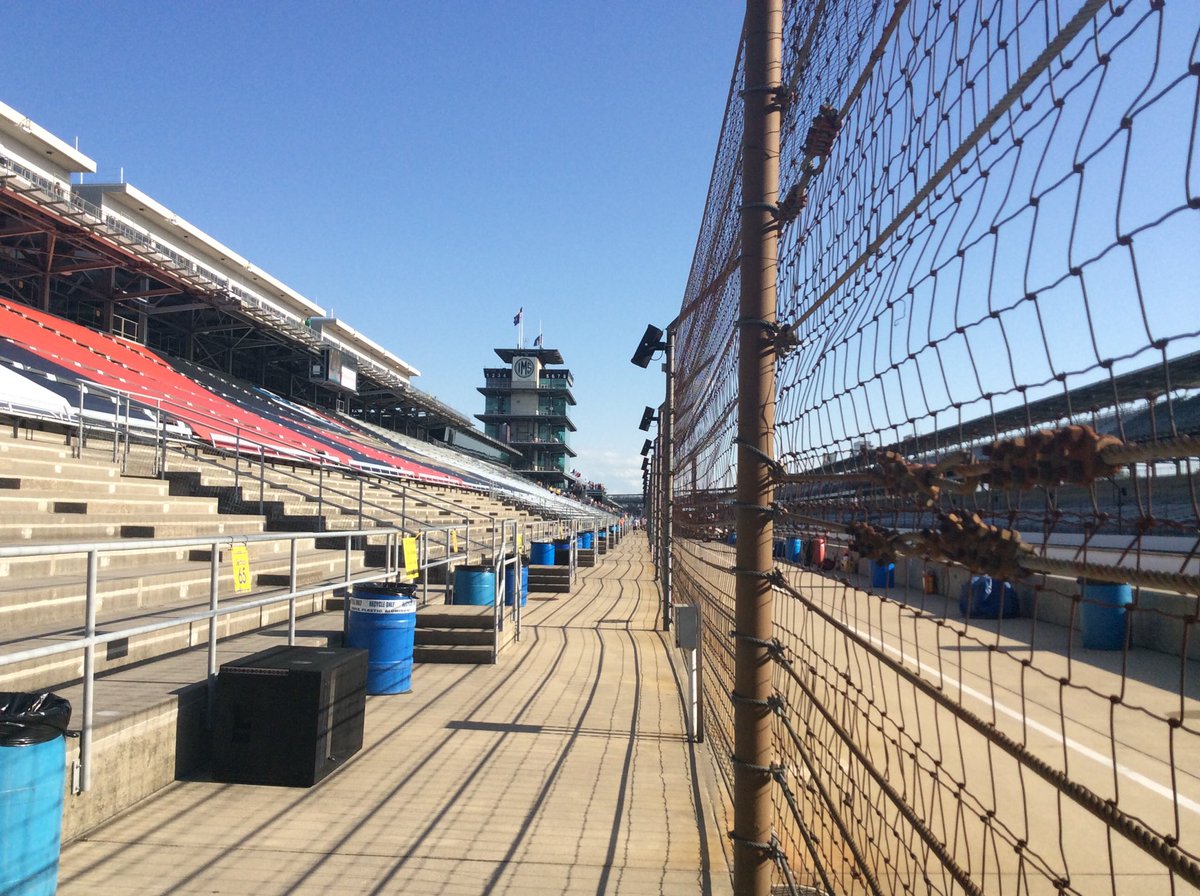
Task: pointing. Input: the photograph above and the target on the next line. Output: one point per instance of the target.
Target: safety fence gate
(934, 417)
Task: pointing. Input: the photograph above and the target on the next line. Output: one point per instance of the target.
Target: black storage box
(289, 715)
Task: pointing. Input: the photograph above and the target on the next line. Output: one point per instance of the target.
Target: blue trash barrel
(474, 586)
(795, 550)
(562, 551)
(732, 537)
(33, 759)
(541, 553)
(1104, 617)
(508, 585)
(883, 575)
(383, 621)
(777, 548)
(585, 540)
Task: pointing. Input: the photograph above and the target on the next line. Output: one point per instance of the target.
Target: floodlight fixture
(648, 417)
(645, 464)
(646, 447)
(651, 342)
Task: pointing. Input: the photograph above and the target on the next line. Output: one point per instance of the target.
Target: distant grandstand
(112, 259)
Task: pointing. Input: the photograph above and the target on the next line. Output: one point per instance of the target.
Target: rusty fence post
(753, 754)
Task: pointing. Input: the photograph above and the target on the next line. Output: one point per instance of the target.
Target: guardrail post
(214, 576)
(292, 580)
(752, 804)
(668, 473)
(423, 565)
(262, 478)
(160, 435)
(321, 491)
(516, 583)
(237, 457)
(89, 675)
(79, 441)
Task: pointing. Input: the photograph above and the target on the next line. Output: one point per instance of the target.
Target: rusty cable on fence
(831, 806)
(1182, 863)
(935, 846)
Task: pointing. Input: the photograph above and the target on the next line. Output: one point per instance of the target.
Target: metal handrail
(91, 639)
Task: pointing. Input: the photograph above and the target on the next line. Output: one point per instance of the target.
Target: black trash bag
(393, 589)
(28, 719)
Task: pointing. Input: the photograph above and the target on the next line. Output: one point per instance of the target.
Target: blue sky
(421, 169)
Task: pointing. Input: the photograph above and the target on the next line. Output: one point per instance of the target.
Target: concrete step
(586, 556)
(464, 654)
(31, 609)
(450, 616)
(430, 637)
(119, 504)
(26, 568)
(54, 528)
(550, 578)
(36, 449)
(61, 477)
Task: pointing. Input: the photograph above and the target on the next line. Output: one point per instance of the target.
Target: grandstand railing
(504, 554)
(92, 639)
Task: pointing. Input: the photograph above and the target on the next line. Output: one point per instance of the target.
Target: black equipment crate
(289, 715)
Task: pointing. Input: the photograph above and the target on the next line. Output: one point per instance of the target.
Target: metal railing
(506, 537)
(92, 639)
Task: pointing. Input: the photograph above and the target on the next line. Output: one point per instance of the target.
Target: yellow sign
(518, 542)
(454, 541)
(240, 557)
(408, 550)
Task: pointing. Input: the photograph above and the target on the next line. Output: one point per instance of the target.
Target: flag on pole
(517, 317)
(537, 343)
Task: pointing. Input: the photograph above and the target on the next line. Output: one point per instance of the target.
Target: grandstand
(166, 402)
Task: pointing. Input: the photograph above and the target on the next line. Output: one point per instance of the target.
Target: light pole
(653, 341)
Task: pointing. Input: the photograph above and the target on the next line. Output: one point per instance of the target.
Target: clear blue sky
(422, 169)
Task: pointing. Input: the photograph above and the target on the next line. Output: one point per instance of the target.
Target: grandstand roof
(133, 199)
(357, 342)
(1181, 373)
(35, 137)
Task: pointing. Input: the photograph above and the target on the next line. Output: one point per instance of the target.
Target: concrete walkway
(562, 769)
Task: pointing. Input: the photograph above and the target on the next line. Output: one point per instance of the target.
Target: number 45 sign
(240, 558)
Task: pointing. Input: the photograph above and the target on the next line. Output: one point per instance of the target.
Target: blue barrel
(1104, 616)
(777, 548)
(585, 540)
(731, 538)
(383, 621)
(33, 758)
(474, 586)
(795, 550)
(509, 576)
(883, 575)
(562, 551)
(541, 553)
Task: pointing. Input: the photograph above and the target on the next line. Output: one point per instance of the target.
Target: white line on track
(1124, 771)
